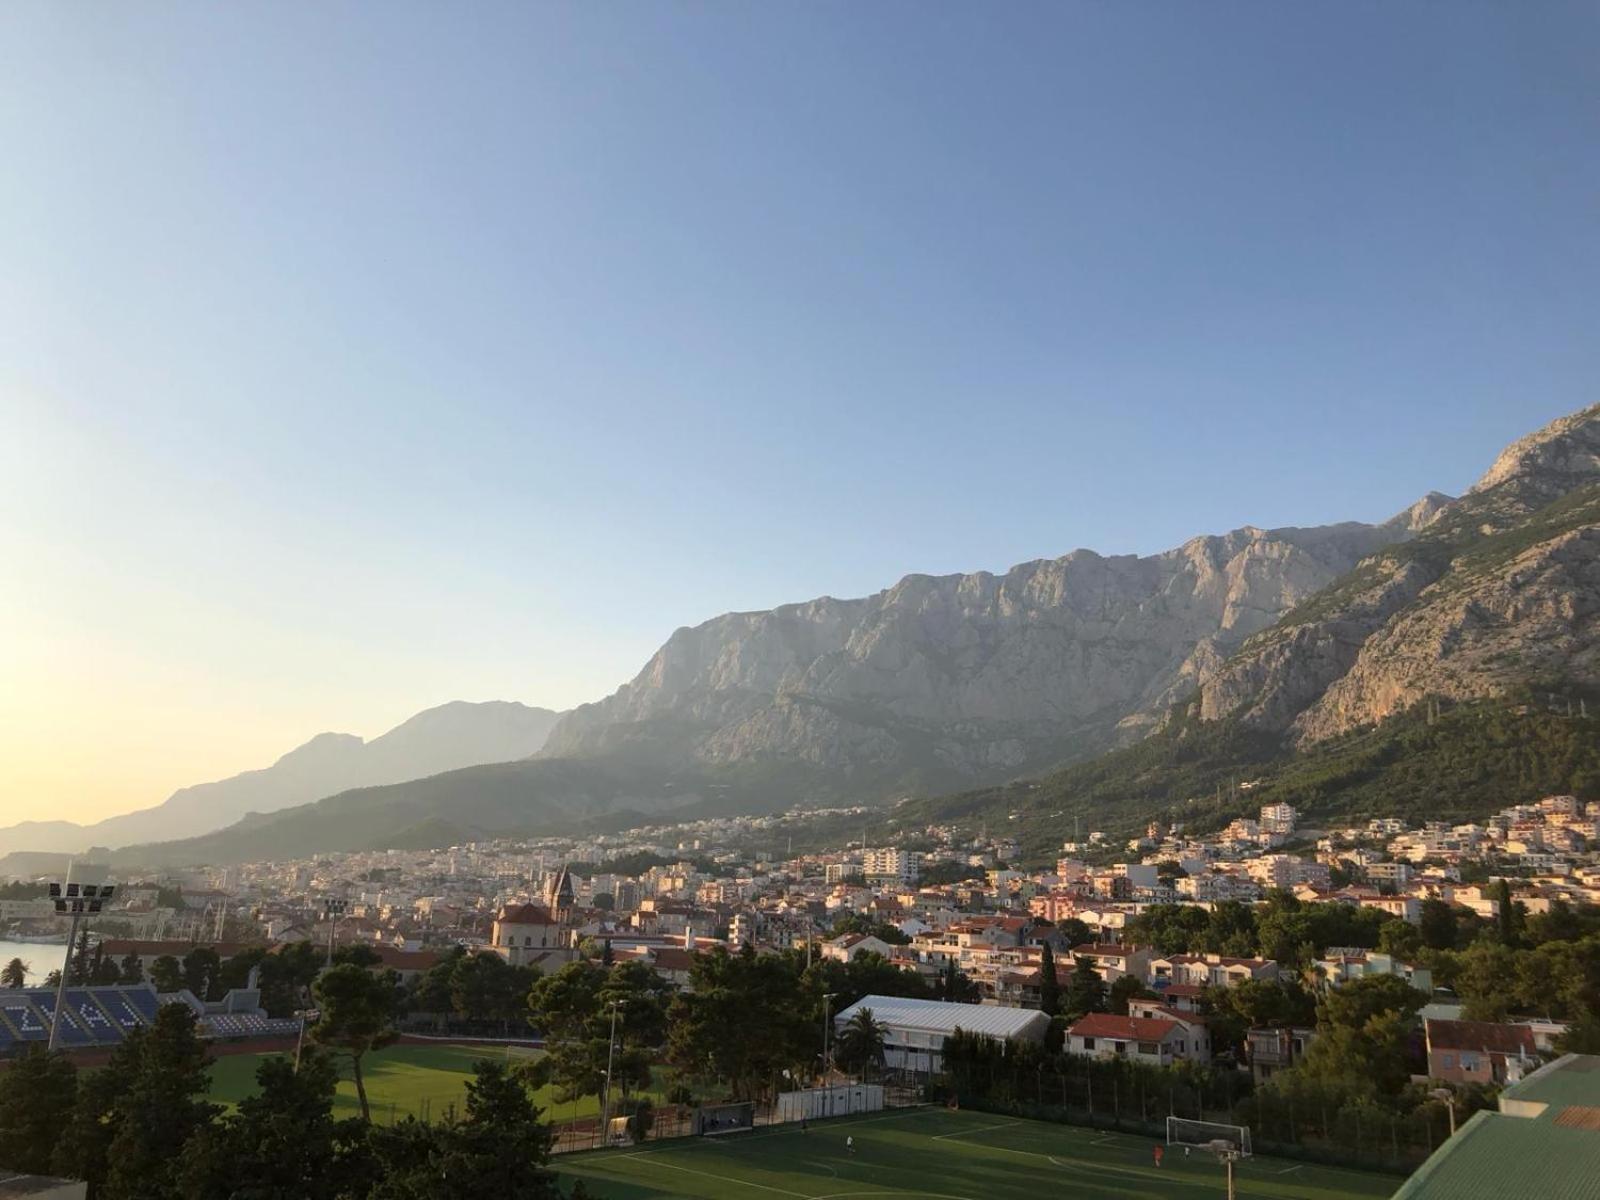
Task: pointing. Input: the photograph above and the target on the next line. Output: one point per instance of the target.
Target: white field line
(960, 1133)
(744, 1183)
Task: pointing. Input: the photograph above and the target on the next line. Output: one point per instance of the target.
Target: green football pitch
(406, 1080)
(942, 1155)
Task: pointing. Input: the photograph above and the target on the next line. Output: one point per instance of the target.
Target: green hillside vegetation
(1439, 761)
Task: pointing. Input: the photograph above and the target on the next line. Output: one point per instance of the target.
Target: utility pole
(827, 1030)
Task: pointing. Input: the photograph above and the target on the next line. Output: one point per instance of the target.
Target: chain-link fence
(677, 1121)
(1132, 1098)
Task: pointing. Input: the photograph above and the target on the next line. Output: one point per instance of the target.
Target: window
(1469, 1062)
(1149, 1047)
(1088, 1043)
(1120, 1047)
(1447, 1060)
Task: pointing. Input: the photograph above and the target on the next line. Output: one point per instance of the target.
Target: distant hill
(530, 797)
(458, 734)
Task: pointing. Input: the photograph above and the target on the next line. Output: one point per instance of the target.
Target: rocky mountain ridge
(1500, 588)
(1278, 638)
(965, 676)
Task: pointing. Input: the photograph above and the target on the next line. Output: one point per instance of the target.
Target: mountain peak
(1421, 514)
(1552, 461)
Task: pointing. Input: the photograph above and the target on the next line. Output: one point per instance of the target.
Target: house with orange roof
(1159, 1041)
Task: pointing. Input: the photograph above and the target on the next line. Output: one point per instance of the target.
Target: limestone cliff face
(1304, 631)
(969, 675)
(1536, 617)
(1549, 463)
(1499, 588)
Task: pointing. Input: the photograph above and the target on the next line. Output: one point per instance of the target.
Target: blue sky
(358, 357)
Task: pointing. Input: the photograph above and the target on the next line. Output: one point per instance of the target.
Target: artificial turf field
(943, 1155)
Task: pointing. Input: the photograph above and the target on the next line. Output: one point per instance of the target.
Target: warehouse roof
(1544, 1141)
(942, 1016)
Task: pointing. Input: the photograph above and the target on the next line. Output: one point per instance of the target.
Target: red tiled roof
(122, 947)
(408, 960)
(1487, 1036)
(525, 914)
(1133, 1029)
(1091, 949)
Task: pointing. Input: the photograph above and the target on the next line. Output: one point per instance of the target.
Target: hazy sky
(359, 357)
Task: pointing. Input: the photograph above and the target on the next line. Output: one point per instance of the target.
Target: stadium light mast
(332, 909)
(611, 1048)
(304, 1014)
(79, 900)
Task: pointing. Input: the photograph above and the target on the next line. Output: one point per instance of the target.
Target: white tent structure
(914, 1030)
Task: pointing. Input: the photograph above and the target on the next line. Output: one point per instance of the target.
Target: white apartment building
(890, 864)
(1278, 818)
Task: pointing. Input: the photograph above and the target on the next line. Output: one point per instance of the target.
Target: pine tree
(1049, 985)
(1086, 991)
(37, 1094)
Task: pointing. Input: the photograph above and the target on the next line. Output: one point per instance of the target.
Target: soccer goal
(713, 1120)
(1209, 1135)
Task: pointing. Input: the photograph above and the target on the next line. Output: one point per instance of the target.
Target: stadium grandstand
(102, 1016)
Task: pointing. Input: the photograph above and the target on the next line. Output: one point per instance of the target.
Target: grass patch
(402, 1081)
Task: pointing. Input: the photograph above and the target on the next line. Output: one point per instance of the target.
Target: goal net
(1207, 1135)
(711, 1120)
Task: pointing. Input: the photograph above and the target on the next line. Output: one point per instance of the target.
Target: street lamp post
(611, 1049)
(79, 900)
(1449, 1099)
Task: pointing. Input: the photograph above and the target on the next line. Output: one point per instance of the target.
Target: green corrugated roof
(1500, 1156)
(1574, 1079)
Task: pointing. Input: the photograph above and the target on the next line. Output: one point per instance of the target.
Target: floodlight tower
(332, 909)
(611, 1047)
(79, 900)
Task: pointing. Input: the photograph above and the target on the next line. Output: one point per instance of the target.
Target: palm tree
(14, 974)
(860, 1044)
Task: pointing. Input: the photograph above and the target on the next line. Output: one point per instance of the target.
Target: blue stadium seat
(121, 1007)
(81, 1004)
(144, 1001)
(26, 1019)
(71, 1033)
